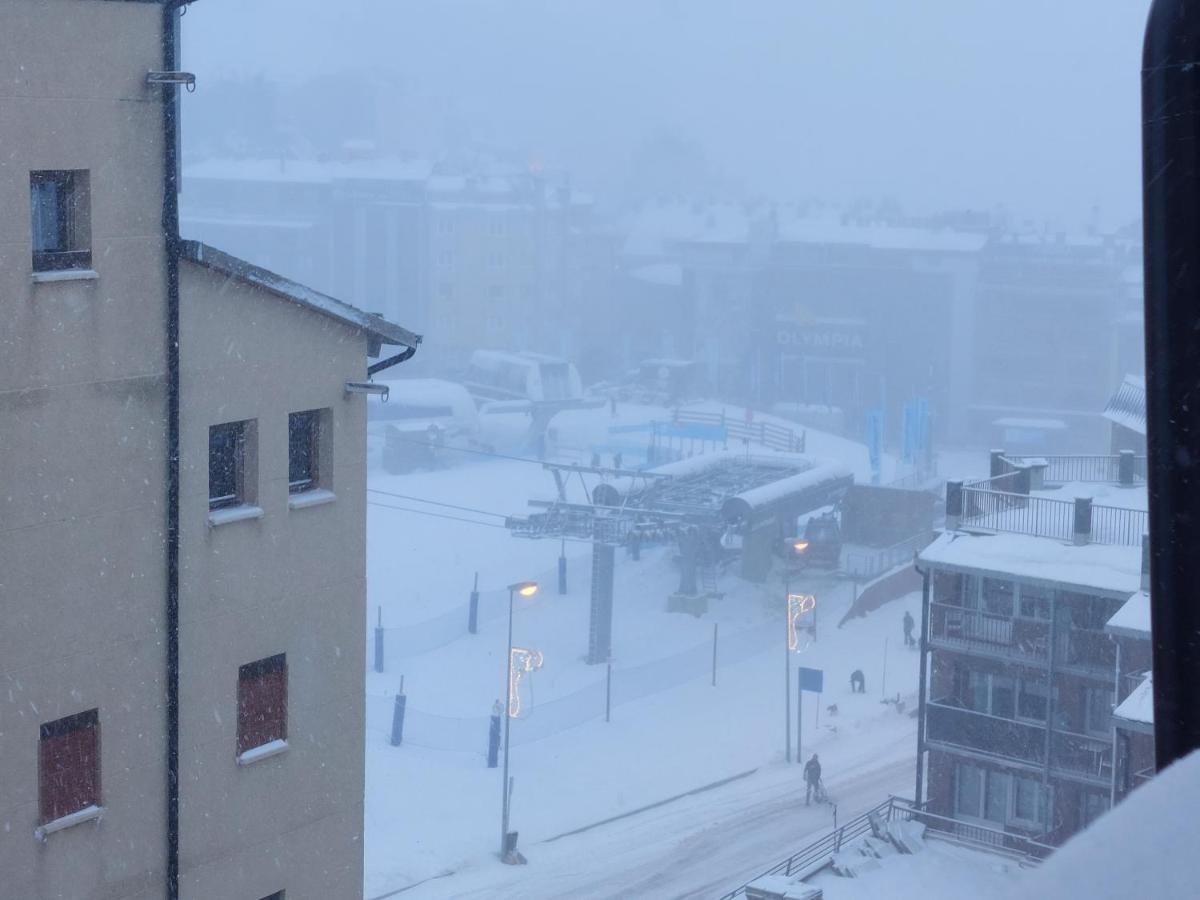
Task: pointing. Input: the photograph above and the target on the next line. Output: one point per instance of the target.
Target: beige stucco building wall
(82, 446)
(83, 512)
(292, 581)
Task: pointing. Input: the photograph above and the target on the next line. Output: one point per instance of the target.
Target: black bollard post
(562, 568)
(379, 641)
(493, 754)
(398, 715)
(473, 614)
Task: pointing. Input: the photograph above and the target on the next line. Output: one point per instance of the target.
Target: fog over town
(429, 424)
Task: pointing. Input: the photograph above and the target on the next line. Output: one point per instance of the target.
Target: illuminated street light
(525, 589)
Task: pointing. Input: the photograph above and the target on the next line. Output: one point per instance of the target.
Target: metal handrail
(805, 861)
(822, 850)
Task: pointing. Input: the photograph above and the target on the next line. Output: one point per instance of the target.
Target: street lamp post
(796, 547)
(525, 589)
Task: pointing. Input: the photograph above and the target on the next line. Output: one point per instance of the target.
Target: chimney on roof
(1083, 520)
(1125, 468)
(954, 504)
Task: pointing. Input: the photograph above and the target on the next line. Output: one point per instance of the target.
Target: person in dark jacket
(858, 682)
(909, 641)
(812, 780)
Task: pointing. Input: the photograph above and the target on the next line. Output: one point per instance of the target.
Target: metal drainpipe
(170, 227)
(921, 686)
(1049, 709)
(1112, 793)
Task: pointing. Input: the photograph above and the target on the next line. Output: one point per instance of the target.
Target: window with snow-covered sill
(233, 472)
(68, 772)
(310, 458)
(262, 709)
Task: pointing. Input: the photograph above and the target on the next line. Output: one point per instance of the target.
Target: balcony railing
(1019, 513)
(1081, 754)
(1009, 739)
(1025, 640)
(969, 629)
(1093, 468)
(1079, 648)
(1004, 738)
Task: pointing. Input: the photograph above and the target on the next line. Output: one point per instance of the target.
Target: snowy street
(432, 810)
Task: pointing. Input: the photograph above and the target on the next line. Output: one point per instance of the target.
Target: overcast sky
(938, 103)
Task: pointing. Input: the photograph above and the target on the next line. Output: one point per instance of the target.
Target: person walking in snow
(909, 641)
(812, 780)
(858, 682)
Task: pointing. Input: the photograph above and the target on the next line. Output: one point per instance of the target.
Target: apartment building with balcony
(1021, 669)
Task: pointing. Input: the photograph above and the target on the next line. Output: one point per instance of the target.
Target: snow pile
(941, 871)
(1145, 847)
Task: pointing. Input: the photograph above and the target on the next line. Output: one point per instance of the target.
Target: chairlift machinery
(697, 503)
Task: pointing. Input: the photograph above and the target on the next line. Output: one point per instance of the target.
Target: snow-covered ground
(432, 805)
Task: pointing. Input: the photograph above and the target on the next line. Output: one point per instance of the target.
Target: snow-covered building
(472, 252)
(1031, 587)
(182, 486)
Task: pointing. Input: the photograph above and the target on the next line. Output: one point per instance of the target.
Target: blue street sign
(812, 680)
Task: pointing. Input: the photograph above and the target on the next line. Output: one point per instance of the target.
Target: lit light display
(520, 662)
(797, 606)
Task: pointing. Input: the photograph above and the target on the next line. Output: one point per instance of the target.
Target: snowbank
(1145, 847)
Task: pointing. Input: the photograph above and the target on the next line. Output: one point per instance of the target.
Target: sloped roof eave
(376, 327)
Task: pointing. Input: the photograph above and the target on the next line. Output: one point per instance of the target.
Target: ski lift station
(719, 508)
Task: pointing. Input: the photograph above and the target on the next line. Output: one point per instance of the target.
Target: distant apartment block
(1034, 716)
(182, 505)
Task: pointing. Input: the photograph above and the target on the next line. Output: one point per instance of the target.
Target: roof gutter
(393, 360)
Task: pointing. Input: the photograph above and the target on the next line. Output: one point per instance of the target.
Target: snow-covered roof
(1127, 407)
(308, 171)
(232, 267)
(829, 230)
(1102, 568)
(1138, 707)
(658, 226)
(1133, 618)
(822, 473)
(1102, 493)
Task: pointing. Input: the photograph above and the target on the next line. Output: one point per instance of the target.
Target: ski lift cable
(437, 515)
(469, 509)
(491, 453)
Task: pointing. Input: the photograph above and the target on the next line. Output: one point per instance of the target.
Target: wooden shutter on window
(262, 702)
(69, 765)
